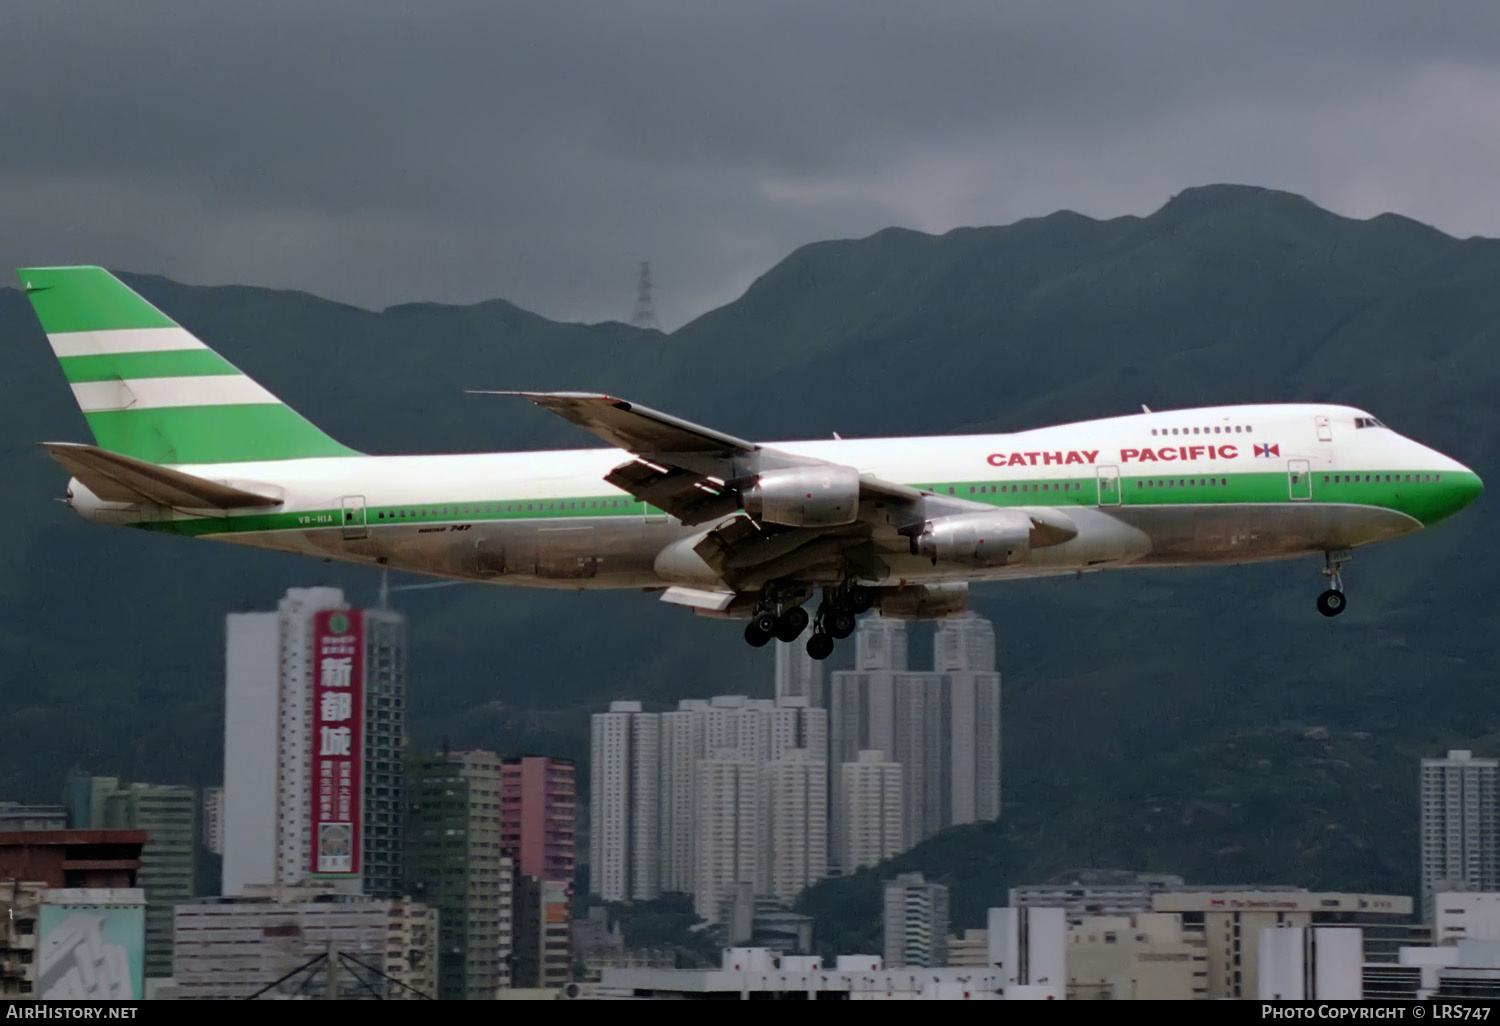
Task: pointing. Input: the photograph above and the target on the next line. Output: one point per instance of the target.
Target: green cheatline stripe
(170, 363)
(86, 299)
(212, 434)
(1427, 501)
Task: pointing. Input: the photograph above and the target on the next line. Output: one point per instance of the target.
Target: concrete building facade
(1460, 797)
(795, 798)
(458, 866)
(537, 811)
(625, 804)
(916, 922)
(872, 811)
(1147, 956)
(169, 816)
(1230, 922)
(235, 947)
(729, 831)
(268, 745)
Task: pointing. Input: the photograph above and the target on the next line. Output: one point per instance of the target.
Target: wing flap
(118, 478)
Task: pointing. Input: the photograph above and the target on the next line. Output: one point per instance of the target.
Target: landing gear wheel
(820, 646)
(859, 599)
(839, 623)
(791, 624)
(1331, 602)
(754, 636)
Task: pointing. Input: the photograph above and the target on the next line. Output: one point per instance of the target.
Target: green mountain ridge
(1122, 693)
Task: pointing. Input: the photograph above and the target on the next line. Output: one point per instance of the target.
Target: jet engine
(819, 496)
(977, 539)
(924, 601)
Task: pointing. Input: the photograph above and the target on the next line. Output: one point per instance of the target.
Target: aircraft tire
(791, 624)
(859, 599)
(754, 636)
(1331, 603)
(839, 623)
(820, 646)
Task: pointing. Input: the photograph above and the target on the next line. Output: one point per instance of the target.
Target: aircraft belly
(1260, 531)
(594, 553)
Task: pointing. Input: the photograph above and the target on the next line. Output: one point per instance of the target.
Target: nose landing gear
(1332, 601)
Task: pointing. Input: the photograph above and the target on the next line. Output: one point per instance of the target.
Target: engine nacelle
(821, 496)
(924, 601)
(977, 539)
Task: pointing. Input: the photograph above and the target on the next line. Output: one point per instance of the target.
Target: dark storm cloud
(457, 151)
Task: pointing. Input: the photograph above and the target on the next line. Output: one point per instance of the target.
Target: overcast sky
(385, 152)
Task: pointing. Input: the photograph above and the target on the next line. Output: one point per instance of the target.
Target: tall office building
(169, 816)
(456, 864)
(872, 817)
(314, 744)
(798, 675)
(625, 804)
(537, 810)
(728, 827)
(916, 922)
(1460, 826)
(683, 745)
(795, 803)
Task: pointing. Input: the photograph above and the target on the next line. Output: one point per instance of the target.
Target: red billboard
(338, 688)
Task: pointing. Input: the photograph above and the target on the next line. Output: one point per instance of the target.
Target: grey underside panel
(617, 552)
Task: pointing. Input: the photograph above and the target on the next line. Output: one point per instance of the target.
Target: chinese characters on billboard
(337, 742)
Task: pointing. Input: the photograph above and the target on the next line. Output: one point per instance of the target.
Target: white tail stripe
(149, 393)
(121, 340)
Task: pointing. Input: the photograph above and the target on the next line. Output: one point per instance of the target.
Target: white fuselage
(1212, 485)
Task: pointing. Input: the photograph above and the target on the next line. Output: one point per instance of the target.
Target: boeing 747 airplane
(187, 444)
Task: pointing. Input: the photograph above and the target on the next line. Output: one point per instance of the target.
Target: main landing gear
(834, 621)
(1332, 601)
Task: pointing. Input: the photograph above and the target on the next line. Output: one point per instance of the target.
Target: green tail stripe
(212, 434)
(86, 299)
(171, 363)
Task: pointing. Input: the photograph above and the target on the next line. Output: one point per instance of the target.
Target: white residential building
(729, 830)
(964, 653)
(1460, 826)
(798, 675)
(625, 804)
(872, 815)
(683, 746)
(796, 821)
(268, 788)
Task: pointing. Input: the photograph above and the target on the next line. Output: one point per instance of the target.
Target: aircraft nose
(1458, 488)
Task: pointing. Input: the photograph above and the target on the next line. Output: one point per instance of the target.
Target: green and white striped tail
(151, 390)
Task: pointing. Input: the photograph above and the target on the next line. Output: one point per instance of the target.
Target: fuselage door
(1299, 480)
(1325, 429)
(1109, 486)
(352, 517)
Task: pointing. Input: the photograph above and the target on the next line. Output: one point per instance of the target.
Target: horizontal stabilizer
(118, 478)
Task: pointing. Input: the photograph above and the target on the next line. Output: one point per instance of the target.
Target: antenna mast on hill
(645, 309)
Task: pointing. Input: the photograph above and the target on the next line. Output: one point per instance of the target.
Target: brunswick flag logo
(1268, 450)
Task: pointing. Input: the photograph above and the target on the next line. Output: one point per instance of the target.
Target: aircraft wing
(685, 469)
(698, 474)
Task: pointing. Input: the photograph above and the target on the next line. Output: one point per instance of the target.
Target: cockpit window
(1367, 422)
